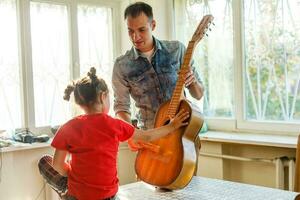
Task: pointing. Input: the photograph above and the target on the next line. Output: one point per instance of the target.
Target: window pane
(51, 62)
(272, 68)
(95, 41)
(214, 54)
(10, 98)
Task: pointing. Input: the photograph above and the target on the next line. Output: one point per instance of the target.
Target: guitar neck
(179, 88)
(185, 67)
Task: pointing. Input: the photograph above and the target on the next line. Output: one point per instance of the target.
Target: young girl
(92, 140)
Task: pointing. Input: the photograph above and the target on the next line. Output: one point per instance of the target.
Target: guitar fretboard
(178, 91)
(185, 67)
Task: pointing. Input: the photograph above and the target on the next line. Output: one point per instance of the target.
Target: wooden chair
(297, 168)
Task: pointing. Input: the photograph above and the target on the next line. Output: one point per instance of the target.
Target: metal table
(205, 189)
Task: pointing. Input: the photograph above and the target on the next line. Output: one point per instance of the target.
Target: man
(148, 72)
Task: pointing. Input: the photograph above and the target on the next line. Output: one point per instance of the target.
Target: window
(272, 67)
(249, 63)
(44, 45)
(50, 62)
(95, 41)
(213, 56)
(10, 82)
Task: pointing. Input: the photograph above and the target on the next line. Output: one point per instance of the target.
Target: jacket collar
(135, 54)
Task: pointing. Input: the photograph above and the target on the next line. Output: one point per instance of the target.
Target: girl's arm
(155, 133)
(59, 163)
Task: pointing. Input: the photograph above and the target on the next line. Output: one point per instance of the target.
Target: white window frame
(239, 124)
(242, 124)
(25, 52)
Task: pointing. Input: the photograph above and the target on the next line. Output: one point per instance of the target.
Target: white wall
(257, 173)
(21, 180)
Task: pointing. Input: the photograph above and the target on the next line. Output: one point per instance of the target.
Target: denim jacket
(148, 84)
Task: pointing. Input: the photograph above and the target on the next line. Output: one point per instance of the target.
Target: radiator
(280, 164)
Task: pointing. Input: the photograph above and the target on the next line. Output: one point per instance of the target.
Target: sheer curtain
(95, 41)
(51, 57)
(51, 62)
(214, 54)
(10, 96)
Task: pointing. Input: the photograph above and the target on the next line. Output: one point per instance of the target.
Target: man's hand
(190, 78)
(195, 88)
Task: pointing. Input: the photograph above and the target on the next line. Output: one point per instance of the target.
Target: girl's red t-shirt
(93, 142)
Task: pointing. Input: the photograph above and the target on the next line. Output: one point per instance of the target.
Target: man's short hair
(135, 9)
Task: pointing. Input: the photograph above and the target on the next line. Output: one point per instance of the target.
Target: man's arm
(192, 79)
(121, 94)
(195, 87)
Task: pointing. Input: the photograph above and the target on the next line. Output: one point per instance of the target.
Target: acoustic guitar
(170, 162)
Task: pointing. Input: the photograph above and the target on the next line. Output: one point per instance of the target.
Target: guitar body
(170, 162)
(173, 166)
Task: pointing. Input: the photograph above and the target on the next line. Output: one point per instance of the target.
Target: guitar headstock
(202, 28)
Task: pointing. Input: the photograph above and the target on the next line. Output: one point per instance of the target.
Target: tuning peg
(206, 34)
(209, 29)
(213, 23)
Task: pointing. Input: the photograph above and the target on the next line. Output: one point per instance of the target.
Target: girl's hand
(180, 119)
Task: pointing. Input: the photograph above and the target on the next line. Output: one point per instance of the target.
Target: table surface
(205, 189)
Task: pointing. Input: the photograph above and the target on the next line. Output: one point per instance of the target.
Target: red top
(93, 142)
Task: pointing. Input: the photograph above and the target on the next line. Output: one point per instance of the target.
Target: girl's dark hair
(135, 9)
(87, 89)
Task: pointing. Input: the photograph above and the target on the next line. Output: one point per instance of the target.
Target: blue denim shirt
(149, 84)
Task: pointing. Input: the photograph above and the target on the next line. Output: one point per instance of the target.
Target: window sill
(18, 146)
(211, 136)
(250, 139)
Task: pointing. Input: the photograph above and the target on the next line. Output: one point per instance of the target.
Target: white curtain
(214, 55)
(51, 62)
(95, 41)
(10, 98)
